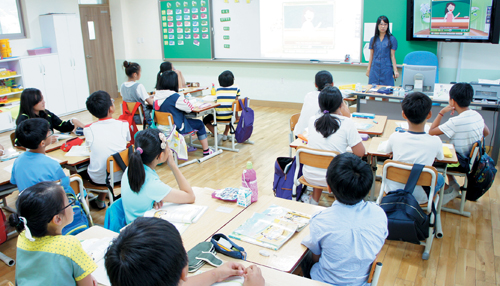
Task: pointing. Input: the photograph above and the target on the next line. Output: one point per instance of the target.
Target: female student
(44, 255)
(382, 69)
(141, 186)
(168, 100)
(33, 106)
(132, 91)
(450, 7)
(330, 131)
(167, 66)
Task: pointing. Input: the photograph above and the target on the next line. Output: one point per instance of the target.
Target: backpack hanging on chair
(482, 175)
(284, 170)
(129, 117)
(245, 125)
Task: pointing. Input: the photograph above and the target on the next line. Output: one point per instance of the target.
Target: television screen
(455, 20)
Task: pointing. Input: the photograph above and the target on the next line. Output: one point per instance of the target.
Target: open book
(180, 215)
(96, 249)
(271, 228)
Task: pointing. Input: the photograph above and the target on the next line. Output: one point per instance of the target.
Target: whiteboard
(326, 30)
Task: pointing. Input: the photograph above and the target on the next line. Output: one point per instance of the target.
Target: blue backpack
(80, 220)
(284, 170)
(245, 125)
(405, 218)
(482, 175)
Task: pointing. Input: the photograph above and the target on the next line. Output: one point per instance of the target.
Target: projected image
(307, 28)
(450, 16)
(456, 19)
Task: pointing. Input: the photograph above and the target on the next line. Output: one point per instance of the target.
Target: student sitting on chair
(463, 130)
(150, 252)
(226, 95)
(141, 187)
(345, 238)
(104, 137)
(132, 91)
(167, 99)
(331, 131)
(415, 146)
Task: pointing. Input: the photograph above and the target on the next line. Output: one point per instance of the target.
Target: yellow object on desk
(447, 152)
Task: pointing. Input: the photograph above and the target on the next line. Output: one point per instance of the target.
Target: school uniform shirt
(136, 204)
(348, 238)
(54, 121)
(51, 260)
(32, 168)
(226, 96)
(464, 130)
(309, 109)
(414, 148)
(381, 71)
(132, 91)
(346, 136)
(105, 137)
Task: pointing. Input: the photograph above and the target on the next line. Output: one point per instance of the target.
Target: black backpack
(406, 219)
(482, 175)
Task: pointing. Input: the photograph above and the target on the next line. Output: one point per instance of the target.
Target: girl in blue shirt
(382, 69)
(141, 186)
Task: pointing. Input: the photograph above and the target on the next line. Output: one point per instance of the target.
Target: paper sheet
(96, 249)
(224, 209)
(405, 126)
(78, 151)
(9, 168)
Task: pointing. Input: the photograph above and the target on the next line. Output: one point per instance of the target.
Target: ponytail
(148, 145)
(131, 68)
(330, 100)
(158, 78)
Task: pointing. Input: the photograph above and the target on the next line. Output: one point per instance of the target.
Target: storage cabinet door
(54, 95)
(79, 65)
(32, 72)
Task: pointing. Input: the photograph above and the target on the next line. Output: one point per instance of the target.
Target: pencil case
(227, 247)
(70, 143)
(202, 253)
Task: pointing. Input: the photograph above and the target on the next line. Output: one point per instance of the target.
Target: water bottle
(401, 92)
(358, 87)
(213, 90)
(249, 180)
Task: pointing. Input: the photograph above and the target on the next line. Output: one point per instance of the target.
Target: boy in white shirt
(104, 137)
(415, 146)
(463, 130)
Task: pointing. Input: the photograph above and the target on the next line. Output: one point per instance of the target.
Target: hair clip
(326, 111)
(163, 140)
(26, 229)
(139, 149)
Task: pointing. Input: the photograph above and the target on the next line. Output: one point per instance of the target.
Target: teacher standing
(382, 69)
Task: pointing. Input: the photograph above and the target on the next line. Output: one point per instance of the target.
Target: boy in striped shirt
(463, 130)
(226, 95)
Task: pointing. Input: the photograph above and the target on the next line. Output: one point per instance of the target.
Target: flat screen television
(453, 21)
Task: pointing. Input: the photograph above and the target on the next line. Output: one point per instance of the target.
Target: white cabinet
(43, 73)
(62, 32)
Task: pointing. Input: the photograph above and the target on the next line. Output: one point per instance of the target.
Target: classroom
(102, 40)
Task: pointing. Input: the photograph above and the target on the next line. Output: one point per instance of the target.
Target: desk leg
(216, 134)
(358, 103)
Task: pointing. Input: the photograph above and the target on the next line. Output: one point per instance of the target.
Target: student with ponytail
(141, 186)
(165, 67)
(132, 91)
(330, 131)
(45, 256)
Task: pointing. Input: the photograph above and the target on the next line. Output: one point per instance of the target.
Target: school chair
(473, 154)
(139, 111)
(421, 58)
(165, 122)
(76, 183)
(375, 271)
(236, 107)
(115, 217)
(13, 139)
(314, 158)
(114, 163)
(400, 172)
(293, 121)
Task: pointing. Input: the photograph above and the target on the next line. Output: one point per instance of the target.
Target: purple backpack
(245, 125)
(284, 170)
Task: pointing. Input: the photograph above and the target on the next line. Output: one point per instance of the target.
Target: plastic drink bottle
(249, 180)
(213, 90)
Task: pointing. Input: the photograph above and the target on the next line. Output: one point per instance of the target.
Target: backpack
(405, 218)
(118, 159)
(482, 175)
(80, 221)
(245, 125)
(3, 229)
(129, 117)
(284, 171)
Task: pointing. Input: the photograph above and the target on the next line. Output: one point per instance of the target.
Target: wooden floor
(468, 254)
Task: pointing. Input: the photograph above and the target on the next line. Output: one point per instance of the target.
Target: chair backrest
(236, 104)
(473, 154)
(376, 267)
(13, 139)
(115, 165)
(314, 157)
(293, 121)
(400, 172)
(130, 106)
(422, 58)
(164, 118)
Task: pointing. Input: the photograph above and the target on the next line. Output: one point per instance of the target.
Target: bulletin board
(185, 26)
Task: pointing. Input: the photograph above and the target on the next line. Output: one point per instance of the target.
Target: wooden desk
(187, 90)
(378, 124)
(291, 253)
(72, 163)
(298, 142)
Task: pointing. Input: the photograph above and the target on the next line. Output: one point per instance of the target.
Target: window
(11, 20)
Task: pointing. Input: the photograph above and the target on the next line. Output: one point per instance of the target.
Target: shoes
(227, 137)
(210, 152)
(220, 138)
(97, 204)
(191, 149)
(451, 193)
(91, 196)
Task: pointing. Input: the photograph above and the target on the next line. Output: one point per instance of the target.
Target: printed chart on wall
(186, 29)
(287, 29)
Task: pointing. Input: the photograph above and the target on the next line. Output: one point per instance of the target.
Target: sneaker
(306, 197)
(97, 204)
(224, 137)
(447, 197)
(91, 196)
(219, 139)
(210, 152)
